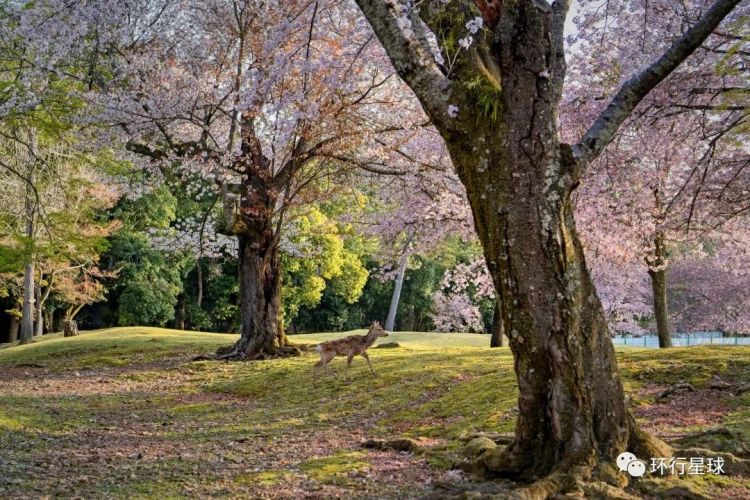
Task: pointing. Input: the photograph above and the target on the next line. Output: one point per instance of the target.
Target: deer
(348, 346)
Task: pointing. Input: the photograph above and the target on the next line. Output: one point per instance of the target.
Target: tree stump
(70, 328)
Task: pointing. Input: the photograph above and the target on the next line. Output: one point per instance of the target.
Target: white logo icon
(623, 459)
(636, 468)
(627, 462)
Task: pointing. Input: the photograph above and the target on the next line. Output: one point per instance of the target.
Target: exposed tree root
(402, 444)
(719, 439)
(584, 480)
(580, 481)
(643, 444)
(234, 353)
(676, 389)
(583, 477)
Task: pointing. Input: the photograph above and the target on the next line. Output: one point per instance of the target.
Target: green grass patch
(335, 469)
(112, 347)
(440, 387)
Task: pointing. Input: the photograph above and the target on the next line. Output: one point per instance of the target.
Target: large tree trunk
(571, 403)
(658, 274)
(398, 284)
(495, 104)
(496, 340)
(251, 217)
(260, 299)
(519, 179)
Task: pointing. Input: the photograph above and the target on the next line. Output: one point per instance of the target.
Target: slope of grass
(111, 347)
(123, 346)
(231, 429)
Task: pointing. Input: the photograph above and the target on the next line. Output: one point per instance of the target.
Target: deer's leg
(325, 358)
(320, 364)
(364, 355)
(328, 359)
(349, 359)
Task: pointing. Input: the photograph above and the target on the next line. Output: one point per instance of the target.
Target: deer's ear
(375, 324)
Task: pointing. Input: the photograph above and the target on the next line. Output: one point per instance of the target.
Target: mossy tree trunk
(571, 404)
(497, 110)
(519, 179)
(496, 340)
(260, 297)
(251, 217)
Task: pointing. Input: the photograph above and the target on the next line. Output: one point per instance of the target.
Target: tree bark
(497, 110)
(496, 340)
(39, 305)
(658, 275)
(260, 299)
(70, 328)
(571, 405)
(390, 320)
(252, 218)
(199, 277)
(27, 311)
(13, 331)
(519, 179)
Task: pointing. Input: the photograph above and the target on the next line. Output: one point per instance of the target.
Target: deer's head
(377, 330)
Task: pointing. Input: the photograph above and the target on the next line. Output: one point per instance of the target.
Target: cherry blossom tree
(710, 289)
(454, 308)
(266, 104)
(490, 77)
(417, 212)
(676, 172)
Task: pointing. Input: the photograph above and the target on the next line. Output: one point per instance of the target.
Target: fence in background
(682, 339)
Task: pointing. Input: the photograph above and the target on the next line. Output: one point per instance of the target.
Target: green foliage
(148, 296)
(154, 210)
(329, 259)
(146, 289)
(487, 96)
(219, 310)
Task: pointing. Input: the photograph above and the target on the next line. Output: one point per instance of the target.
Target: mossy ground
(125, 412)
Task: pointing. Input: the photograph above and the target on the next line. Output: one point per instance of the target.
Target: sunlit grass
(439, 387)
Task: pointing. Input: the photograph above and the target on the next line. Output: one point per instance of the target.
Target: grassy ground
(125, 412)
